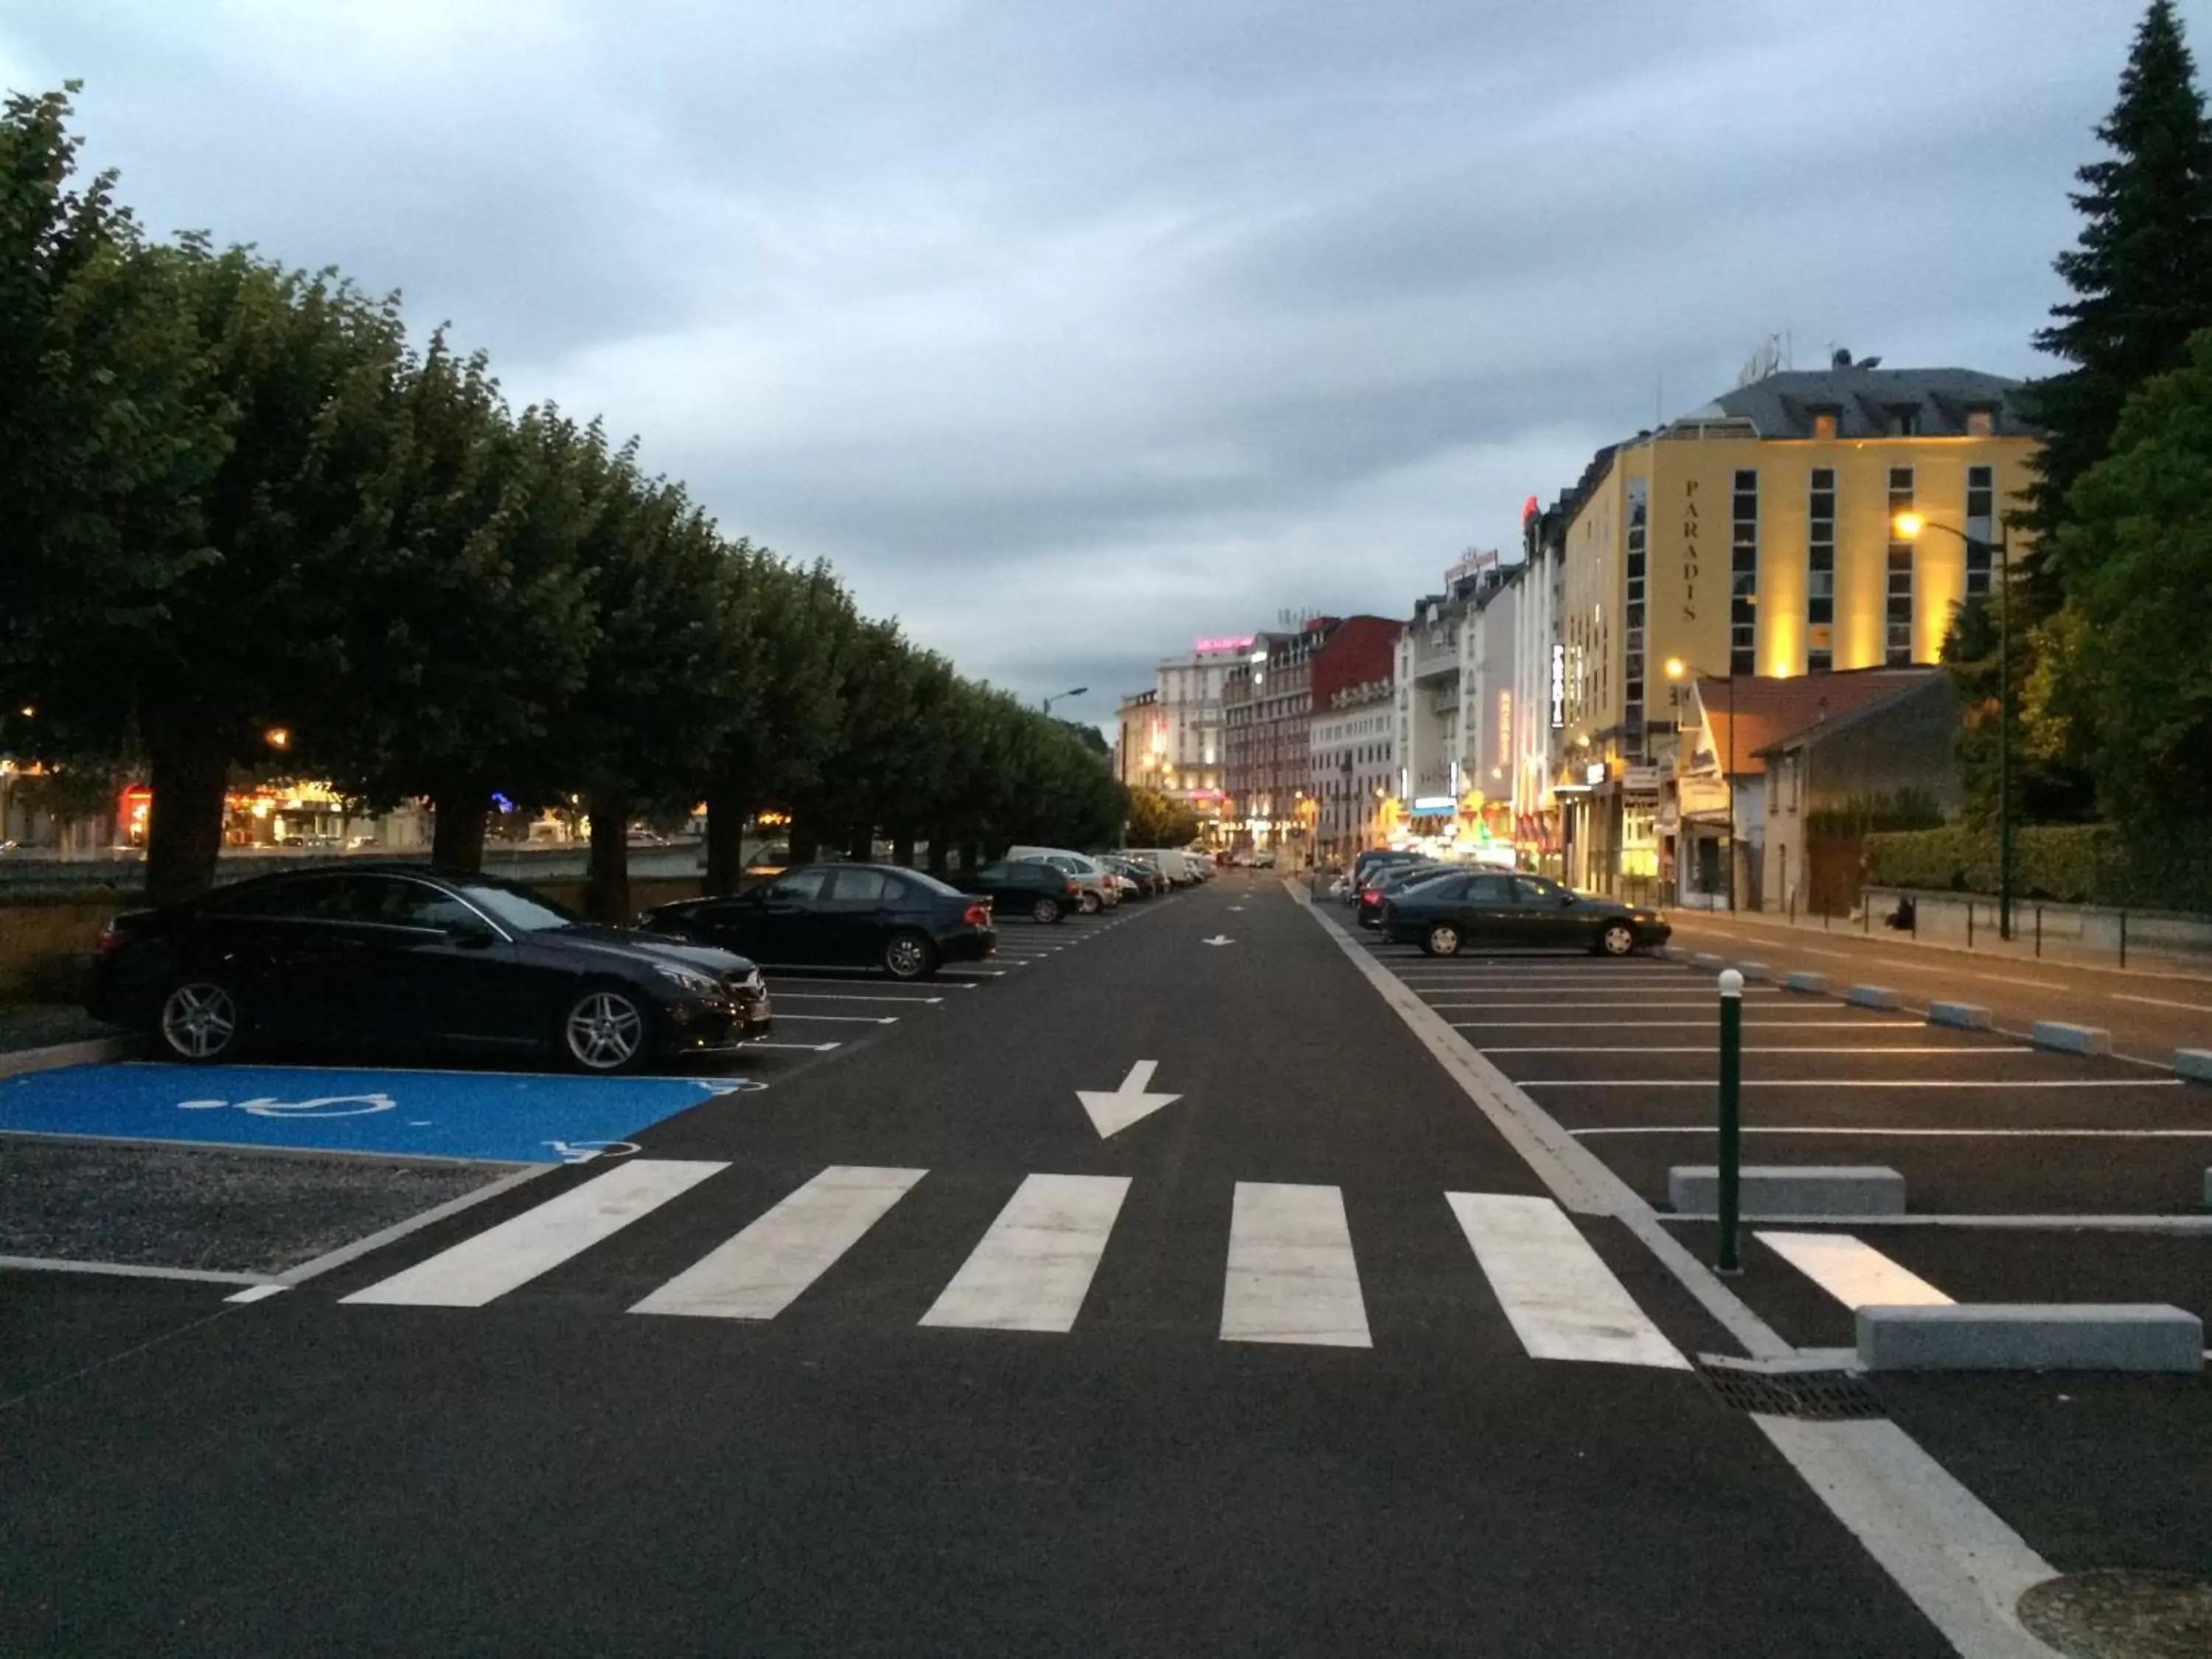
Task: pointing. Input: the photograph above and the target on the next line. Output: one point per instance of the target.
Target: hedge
(2065, 863)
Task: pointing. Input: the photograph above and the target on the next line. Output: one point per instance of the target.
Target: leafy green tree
(2138, 537)
(1159, 820)
(2142, 277)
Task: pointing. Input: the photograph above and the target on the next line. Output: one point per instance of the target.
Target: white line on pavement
(839, 1019)
(819, 996)
(1547, 1002)
(258, 1293)
(1855, 1273)
(809, 1047)
(48, 1264)
(1562, 1300)
(1292, 1274)
(2161, 1002)
(495, 1262)
(1846, 1083)
(763, 1269)
(1779, 1048)
(1032, 1269)
(1685, 1024)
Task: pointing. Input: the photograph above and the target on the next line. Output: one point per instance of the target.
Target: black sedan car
(1150, 881)
(840, 916)
(381, 956)
(1381, 883)
(1497, 909)
(1042, 892)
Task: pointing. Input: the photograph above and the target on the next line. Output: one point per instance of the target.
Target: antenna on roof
(1764, 361)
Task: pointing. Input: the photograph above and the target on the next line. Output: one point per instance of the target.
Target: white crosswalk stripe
(762, 1271)
(1853, 1271)
(1292, 1275)
(516, 1251)
(1033, 1268)
(1562, 1301)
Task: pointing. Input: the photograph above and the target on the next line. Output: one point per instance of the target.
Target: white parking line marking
(495, 1262)
(1687, 1025)
(2161, 1002)
(1994, 1134)
(1032, 1269)
(1562, 1301)
(1547, 1002)
(809, 1047)
(819, 996)
(764, 1268)
(1833, 955)
(2000, 979)
(1845, 1083)
(839, 1019)
(1853, 1271)
(1292, 1275)
(258, 1293)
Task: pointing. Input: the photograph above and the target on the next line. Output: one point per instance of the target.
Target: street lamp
(1676, 668)
(1073, 691)
(1907, 527)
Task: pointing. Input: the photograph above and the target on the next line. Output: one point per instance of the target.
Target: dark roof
(1767, 712)
(1783, 405)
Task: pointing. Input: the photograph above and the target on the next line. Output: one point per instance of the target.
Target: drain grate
(1817, 1396)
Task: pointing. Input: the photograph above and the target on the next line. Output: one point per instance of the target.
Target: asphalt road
(899, 1354)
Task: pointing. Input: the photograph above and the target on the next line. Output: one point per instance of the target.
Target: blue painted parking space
(509, 1117)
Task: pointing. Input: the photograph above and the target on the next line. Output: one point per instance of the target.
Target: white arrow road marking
(1235, 907)
(1114, 1111)
(1219, 938)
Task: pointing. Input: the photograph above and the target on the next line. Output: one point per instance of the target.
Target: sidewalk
(2022, 947)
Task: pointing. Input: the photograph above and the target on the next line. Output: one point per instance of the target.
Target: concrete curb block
(2065, 1039)
(1755, 972)
(1966, 1016)
(2208, 1190)
(1873, 996)
(1792, 1189)
(2031, 1336)
(1705, 962)
(2193, 1064)
(1803, 981)
(1673, 953)
(91, 1052)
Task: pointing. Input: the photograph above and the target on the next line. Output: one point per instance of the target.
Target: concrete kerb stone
(1966, 1016)
(92, 1052)
(2031, 1336)
(2193, 1065)
(2062, 1038)
(1790, 1189)
(1706, 963)
(1817, 984)
(1756, 973)
(1675, 952)
(2208, 1190)
(1873, 996)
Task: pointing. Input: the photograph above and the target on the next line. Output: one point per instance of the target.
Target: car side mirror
(473, 935)
(1566, 901)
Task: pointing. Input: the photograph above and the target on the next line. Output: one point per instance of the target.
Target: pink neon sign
(1238, 644)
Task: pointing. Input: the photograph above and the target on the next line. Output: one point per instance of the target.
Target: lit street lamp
(1075, 691)
(1908, 526)
(1676, 668)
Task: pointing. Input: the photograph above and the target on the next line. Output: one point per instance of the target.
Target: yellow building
(1754, 537)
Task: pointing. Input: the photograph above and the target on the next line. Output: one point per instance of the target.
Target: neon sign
(1238, 643)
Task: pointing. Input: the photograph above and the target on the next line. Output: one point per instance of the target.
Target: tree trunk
(805, 840)
(940, 853)
(726, 839)
(607, 893)
(189, 772)
(861, 846)
(456, 829)
(903, 849)
(971, 856)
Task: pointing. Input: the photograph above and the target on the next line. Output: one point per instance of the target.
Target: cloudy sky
(1070, 332)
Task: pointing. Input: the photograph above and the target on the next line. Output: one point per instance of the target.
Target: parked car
(845, 915)
(1097, 890)
(382, 956)
(1026, 887)
(1184, 869)
(1491, 909)
(1264, 859)
(1383, 882)
(1142, 881)
(1376, 858)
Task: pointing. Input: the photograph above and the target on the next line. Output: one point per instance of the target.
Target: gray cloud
(1072, 332)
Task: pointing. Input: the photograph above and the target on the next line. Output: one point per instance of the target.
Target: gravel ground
(226, 1211)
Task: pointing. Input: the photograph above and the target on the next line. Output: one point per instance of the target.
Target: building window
(1824, 423)
(1638, 551)
(1981, 423)
(1743, 575)
(1897, 605)
(1820, 572)
(1901, 421)
(1981, 528)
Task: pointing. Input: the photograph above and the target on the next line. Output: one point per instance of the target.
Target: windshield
(517, 907)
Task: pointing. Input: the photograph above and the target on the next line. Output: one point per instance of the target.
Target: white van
(1098, 886)
(1183, 869)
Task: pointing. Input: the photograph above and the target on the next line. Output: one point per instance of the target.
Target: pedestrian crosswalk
(1291, 1272)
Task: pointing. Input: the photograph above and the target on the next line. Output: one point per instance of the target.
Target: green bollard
(1729, 1260)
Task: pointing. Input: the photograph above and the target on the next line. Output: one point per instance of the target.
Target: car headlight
(698, 984)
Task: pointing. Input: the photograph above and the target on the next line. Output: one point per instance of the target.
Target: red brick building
(1266, 707)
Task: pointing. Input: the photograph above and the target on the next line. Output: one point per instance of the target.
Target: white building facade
(1353, 743)
(1170, 737)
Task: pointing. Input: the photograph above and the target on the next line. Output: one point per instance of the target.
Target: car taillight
(977, 916)
(1071, 888)
(112, 940)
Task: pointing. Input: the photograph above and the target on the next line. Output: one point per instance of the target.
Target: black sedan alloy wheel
(1616, 939)
(604, 1030)
(908, 955)
(199, 1021)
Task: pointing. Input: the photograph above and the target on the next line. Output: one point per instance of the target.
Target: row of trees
(235, 497)
(2112, 618)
